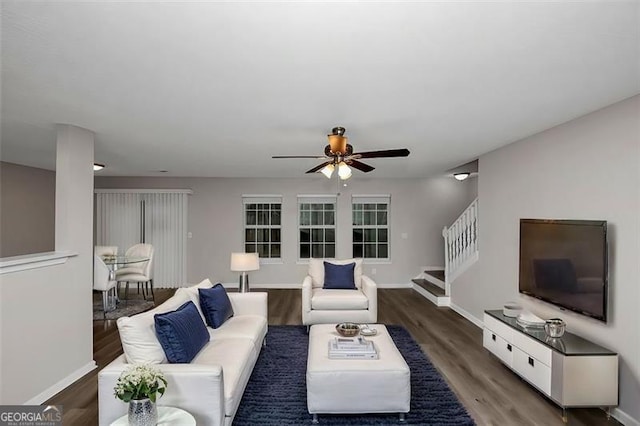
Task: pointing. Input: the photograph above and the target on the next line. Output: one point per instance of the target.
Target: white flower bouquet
(139, 382)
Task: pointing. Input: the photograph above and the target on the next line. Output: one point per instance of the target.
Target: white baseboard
(624, 418)
(391, 285)
(62, 384)
(477, 322)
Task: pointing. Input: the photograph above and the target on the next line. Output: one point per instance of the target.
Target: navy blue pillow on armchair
(339, 276)
(215, 305)
(181, 333)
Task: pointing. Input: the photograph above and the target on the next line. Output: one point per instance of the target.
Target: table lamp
(244, 262)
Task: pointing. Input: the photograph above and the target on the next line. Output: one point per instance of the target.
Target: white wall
(588, 168)
(46, 320)
(419, 208)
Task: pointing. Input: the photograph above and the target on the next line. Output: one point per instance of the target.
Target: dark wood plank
(492, 394)
(429, 286)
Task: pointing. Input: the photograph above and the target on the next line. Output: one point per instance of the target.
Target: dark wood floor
(492, 394)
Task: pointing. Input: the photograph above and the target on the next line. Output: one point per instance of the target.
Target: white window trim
(263, 199)
(373, 199)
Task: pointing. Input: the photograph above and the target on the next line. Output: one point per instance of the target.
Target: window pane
(383, 251)
(305, 218)
(382, 218)
(382, 236)
(369, 218)
(251, 217)
(305, 235)
(275, 235)
(249, 235)
(382, 207)
(369, 250)
(263, 235)
(330, 235)
(317, 235)
(275, 250)
(317, 250)
(330, 250)
(357, 250)
(251, 206)
(316, 207)
(357, 206)
(305, 251)
(276, 206)
(263, 218)
(369, 206)
(357, 218)
(263, 250)
(328, 206)
(370, 235)
(358, 235)
(275, 217)
(316, 218)
(250, 248)
(305, 206)
(328, 218)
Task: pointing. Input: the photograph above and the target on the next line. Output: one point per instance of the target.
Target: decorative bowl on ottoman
(348, 329)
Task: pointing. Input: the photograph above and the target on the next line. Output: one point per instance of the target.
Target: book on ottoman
(352, 348)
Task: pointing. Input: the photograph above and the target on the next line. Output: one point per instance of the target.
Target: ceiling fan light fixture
(338, 144)
(461, 176)
(328, 170)
(344, 171)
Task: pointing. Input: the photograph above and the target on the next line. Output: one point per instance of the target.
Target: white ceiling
(216, 88)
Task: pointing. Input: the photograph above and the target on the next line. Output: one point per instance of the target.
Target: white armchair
(331, 306)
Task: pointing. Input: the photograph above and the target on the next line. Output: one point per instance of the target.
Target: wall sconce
(461, 176)
(243, 263)
(98, 167)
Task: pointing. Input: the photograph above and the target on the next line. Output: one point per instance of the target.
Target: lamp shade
(344, 171)
(243, 262)
(328, 170)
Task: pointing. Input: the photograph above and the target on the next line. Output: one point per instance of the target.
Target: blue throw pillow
(181, 333)
(215, 305)
(339, 276)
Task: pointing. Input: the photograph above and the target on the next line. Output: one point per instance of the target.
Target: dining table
(116, 262)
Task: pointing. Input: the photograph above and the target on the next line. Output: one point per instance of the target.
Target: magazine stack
(352, 348)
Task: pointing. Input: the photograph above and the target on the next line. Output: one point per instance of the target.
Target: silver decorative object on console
(554, 327)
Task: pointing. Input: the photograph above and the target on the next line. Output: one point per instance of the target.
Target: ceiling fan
(339, 154)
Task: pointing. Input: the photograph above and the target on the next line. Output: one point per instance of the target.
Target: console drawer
(531, 369)
(498, 327)
(535, 349)
(498, 346)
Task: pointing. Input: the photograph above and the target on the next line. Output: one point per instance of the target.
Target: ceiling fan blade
(360, 166)
(299, 156)
(320, 167)
(380, 154)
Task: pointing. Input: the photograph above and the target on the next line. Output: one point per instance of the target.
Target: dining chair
(101, 282)
(105, 251)
(141, 273)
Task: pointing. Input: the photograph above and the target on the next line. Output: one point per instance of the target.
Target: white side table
(166, 416)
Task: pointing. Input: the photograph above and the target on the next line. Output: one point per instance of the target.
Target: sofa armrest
(249, 303)
(196, 388)
(370, 289)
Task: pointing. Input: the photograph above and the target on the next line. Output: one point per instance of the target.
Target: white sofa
(211, 386)
(327, 306)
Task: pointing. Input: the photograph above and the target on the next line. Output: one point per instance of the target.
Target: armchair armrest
(249, 303)
(307, 291)
(196, 388)
(370, 289)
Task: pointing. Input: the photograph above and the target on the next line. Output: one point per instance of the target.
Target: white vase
(143, 412)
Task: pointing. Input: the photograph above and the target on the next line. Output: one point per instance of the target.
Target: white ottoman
(356, 385)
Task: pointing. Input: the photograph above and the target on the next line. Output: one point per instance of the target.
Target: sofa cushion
(339, 277)
(316, 270)
(236, 356)
(323, 299)
(181, 333)
(253, 327)
(215, 305)
(138, 332)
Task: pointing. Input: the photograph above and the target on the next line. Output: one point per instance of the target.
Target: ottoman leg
(401, 418)
(315, 420)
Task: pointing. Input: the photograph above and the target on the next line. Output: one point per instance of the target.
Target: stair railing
(460, 244)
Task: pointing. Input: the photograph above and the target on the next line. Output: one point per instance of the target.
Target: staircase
(460, 252)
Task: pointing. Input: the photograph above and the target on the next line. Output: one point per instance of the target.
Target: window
(370, 226)
(263, 226)
(316, 227)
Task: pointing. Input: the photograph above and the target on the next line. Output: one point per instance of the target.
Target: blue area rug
(277, 395)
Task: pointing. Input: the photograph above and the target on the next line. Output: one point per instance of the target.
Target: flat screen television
(564, 262)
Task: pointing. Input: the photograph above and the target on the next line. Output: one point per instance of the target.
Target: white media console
(570, 370)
